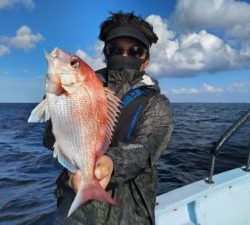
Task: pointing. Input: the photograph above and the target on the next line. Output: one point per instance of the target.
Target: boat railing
(223, 139)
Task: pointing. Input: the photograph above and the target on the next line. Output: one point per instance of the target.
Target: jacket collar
(122, 82)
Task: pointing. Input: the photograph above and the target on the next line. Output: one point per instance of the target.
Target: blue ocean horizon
(28, 170)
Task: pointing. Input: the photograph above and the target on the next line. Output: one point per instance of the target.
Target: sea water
(28, 170)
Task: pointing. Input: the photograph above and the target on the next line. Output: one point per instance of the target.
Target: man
(144, 127)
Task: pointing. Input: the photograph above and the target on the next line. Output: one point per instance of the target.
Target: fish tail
(90, 191)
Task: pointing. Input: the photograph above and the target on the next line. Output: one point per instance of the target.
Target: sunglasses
(134, 51)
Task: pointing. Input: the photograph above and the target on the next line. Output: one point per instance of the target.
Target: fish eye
(75, 63)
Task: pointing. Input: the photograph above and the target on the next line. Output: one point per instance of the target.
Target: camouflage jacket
(133, 182)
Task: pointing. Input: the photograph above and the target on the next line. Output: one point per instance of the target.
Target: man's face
(131, 47)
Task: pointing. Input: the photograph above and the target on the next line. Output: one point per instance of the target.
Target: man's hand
(103, 171)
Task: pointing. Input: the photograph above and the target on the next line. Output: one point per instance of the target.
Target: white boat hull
(226, 202)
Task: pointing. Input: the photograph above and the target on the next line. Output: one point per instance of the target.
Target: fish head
(64, 71)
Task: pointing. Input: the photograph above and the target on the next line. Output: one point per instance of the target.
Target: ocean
(28, 170)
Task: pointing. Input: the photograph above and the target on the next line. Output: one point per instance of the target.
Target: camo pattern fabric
(133, 182)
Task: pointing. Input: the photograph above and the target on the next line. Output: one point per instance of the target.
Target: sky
(202, 55)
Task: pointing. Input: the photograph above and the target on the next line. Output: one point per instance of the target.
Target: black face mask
(119, 62)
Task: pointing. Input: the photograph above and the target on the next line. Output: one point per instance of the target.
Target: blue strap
(131, 95)
(133, 121)
(134, 103)
(128, 98)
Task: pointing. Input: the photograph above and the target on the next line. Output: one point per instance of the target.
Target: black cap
(127, 31)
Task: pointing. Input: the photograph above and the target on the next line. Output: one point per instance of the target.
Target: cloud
(210, 89)
(11, 3)
(193, 15)
(195, 41)
(239, 87)
(191, 53)
(230, 16)
(242, 86)
(24, 39)
(96, 62)
(206, 88)
(162, 52)
(184, 91)
(4, 50)
(187, 54)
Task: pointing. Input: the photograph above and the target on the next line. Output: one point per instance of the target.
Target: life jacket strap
(134, 103)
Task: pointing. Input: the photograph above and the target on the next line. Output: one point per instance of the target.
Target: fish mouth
(58, 62)
(51, 63)
(61, 75)
(60, 55)
(58, 58)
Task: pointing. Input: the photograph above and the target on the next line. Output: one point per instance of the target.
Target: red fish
(83, 114)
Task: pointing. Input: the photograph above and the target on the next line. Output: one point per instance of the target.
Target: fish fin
(40, 113)
(62, 159)
(56, 150)
(114, 105)
(90, 191)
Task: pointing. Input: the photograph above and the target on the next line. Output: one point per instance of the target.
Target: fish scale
(83, 114)
(82, 140)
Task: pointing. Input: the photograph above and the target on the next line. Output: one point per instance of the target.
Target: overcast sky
(203, 52)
